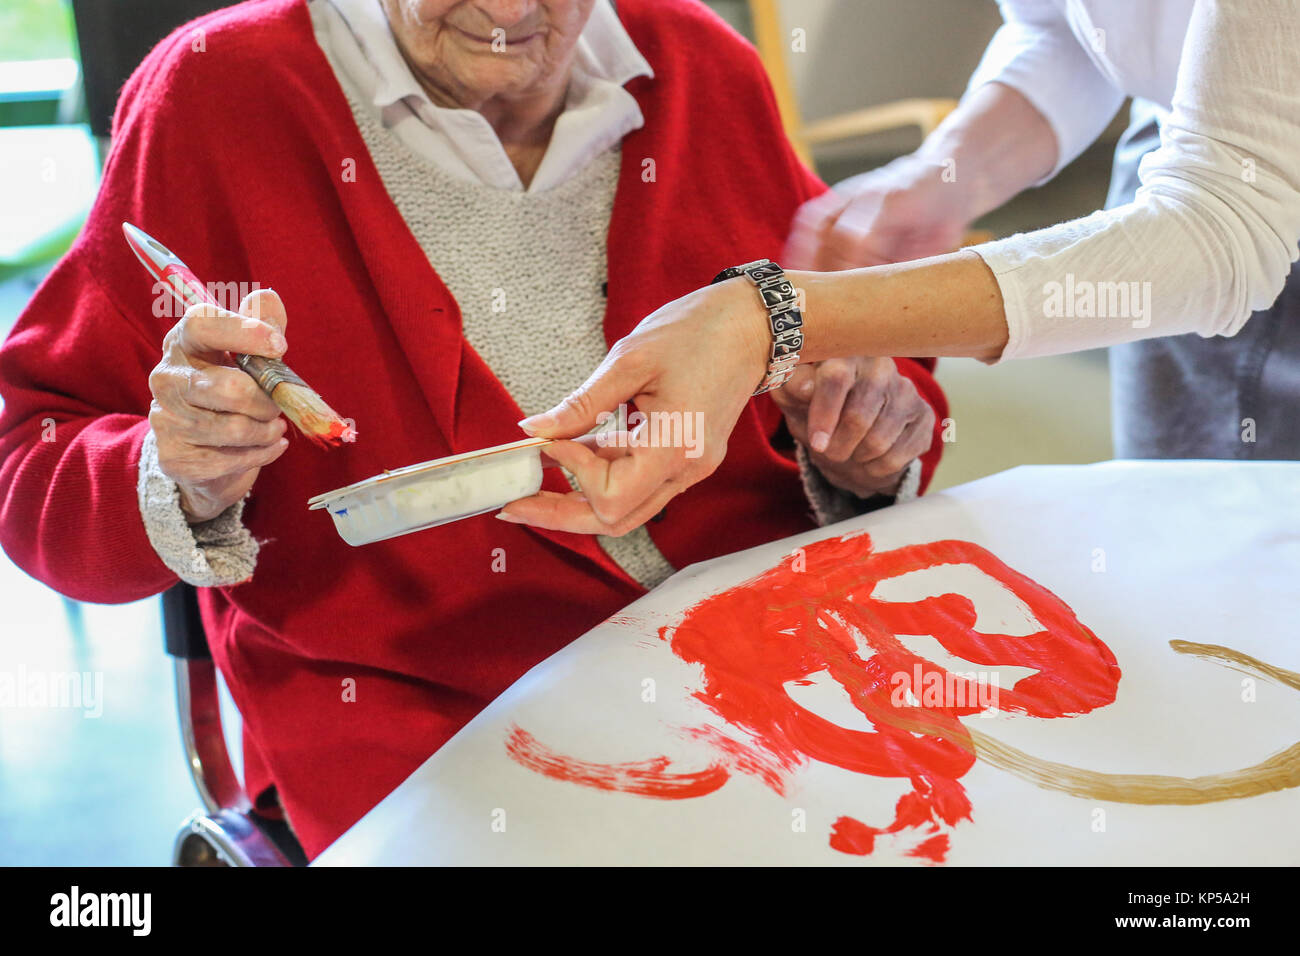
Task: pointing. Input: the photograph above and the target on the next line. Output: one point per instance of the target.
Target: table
(1137, 554)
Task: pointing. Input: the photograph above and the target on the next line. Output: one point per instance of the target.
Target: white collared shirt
(598, 111)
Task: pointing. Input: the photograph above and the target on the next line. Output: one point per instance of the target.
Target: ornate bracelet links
(781, 301)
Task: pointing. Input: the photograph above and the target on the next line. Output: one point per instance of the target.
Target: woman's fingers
(214, 427)
(206, 330)
(811, 223)
(866, 403)
(609, 445)
(219, 388)
(839, 229)
(912, 443)
(835, 380)
(850, 241)
(617, 379)
(877, 429)
(625, 479)
(691, 368)
(552, 511)
(617, 483)
(265, 305)
(902, 431)
(884, 432)
(201, 427)
(794, 395)
(189, 464)
(572, 512)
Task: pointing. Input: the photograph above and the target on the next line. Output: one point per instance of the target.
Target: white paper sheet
(1143, 553)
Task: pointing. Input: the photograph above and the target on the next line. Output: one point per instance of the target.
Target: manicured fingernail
(532, 423)
(511, 518)
(278, 343)
(819, 441)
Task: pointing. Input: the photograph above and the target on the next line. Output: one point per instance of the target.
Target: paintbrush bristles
(309, 413)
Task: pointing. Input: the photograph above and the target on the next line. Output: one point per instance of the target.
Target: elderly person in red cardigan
(460, 203)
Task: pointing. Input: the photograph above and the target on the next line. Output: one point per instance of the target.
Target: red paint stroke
(853, 836)
(337, 433)
(787, 624)
(934, 849)
(648, 778)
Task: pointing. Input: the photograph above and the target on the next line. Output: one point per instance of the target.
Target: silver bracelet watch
(781, 301)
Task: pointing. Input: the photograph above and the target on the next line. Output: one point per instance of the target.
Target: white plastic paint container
(434, 492)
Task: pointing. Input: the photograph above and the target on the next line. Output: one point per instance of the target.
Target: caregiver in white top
(1215, 224)
(1211, 233)
(1208, 239)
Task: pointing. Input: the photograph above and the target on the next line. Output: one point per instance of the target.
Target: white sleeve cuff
(831, 504)
(213, 553)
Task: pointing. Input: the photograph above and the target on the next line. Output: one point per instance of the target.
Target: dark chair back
(115, 35)
(183, 635)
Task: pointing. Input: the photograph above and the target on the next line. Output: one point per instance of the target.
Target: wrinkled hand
(862, 421)
(215, 428)
(899, 212)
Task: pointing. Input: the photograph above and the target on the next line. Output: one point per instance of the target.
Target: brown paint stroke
(1281, 771)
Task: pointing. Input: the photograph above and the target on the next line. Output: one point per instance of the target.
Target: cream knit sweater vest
(527, 270)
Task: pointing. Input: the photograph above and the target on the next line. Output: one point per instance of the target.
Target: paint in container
(435, 492)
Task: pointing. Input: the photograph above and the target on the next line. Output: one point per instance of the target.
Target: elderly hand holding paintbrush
(215, 427)
(220, 388)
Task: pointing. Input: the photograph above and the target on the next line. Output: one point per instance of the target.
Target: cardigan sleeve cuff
(213, 553)
(831, 504)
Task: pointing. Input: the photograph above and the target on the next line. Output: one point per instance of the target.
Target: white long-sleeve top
(1213, 230)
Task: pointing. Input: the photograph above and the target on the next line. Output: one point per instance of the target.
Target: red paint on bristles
(309, 413)
(335, 434)
(300, 403)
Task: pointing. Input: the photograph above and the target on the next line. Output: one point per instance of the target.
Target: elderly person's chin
(472, 51)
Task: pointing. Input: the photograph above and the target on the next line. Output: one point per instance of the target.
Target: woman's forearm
(944, 306)
(703, 354)
(992, 147)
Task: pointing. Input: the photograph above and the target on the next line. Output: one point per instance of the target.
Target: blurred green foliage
(36, 30)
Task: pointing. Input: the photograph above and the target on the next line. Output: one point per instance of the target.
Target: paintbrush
(299, 402)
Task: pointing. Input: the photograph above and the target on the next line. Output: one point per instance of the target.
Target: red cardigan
(234, 157)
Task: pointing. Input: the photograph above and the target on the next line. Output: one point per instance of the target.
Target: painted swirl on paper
(816, 613)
